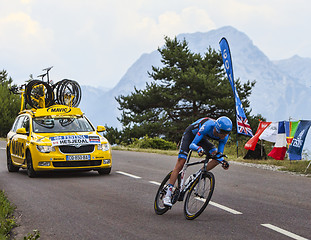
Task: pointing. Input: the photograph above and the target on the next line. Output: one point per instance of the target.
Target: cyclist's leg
(186, 139)
(211, 164)
(182, 157)
(209, 148)
(178, 167)
(174, 175)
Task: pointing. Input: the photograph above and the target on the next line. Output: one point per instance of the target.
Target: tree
(9, 104)
(188, 86)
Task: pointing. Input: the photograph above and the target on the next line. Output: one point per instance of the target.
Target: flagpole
(226, 57)
(237, 145)
(236, 121)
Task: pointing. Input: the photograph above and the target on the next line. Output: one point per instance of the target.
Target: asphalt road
(248, 203)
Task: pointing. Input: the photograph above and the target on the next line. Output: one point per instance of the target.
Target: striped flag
(251, 144)
(290, 129)
(279, 150)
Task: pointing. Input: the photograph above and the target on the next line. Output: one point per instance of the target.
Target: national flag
(290, 129)
(279, 150)
(295, 149)
(251, 144)
(269, 134)
(242, 124)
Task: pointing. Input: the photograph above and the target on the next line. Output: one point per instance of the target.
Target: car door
(18, 140)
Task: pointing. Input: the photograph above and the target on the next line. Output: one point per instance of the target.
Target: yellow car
(56, 138)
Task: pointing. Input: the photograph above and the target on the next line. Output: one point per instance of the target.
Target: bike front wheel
(199, 195)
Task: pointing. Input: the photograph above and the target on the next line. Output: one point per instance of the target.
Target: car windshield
(61, 124)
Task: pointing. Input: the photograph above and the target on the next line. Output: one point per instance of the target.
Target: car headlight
(45, 149)
(103, 146)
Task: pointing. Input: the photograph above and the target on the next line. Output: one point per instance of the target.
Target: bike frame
(182, 187)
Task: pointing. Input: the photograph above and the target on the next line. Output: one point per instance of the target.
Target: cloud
(23, 39)
(151, 30)
(97, 41)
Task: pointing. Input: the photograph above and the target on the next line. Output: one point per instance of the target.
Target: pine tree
(9, 104)
(187, 87)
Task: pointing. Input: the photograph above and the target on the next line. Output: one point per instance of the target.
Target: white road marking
(158, 184)
(224, 208)
(280, 230)
(270, 226)
(221, 207)
(155, 183)
(128, 174)
(2, 148)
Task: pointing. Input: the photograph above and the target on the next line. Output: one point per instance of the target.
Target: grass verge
(7, 220)
(286, 165)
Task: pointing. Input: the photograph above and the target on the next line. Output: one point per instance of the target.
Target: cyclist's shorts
(187, 139)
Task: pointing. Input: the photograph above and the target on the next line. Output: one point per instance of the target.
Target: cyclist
(195, 138)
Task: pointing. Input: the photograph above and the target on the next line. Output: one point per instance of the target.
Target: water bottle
(189, 179)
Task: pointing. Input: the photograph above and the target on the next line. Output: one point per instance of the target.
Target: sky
(96, 41)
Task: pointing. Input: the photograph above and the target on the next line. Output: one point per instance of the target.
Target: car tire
(30, 171)
(10, 165)
(104, 171)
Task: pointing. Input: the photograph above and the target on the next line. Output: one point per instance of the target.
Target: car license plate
(77, 157)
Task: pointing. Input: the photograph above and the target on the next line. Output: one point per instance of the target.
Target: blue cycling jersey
(206, 128)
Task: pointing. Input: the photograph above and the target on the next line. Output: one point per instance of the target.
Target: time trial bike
(198, 188)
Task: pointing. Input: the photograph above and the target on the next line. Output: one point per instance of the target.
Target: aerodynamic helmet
(223, 125)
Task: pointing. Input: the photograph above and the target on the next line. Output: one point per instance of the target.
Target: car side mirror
(21, 131)
(101, 129)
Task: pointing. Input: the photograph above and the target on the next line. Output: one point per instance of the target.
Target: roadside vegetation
(9, 104)
(161, 146)
(7, 220)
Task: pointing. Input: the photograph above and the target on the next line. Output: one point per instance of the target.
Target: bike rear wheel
(159, 207)
(199, 195)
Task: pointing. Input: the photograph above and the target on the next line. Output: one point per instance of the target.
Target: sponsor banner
(74, 139)
(295, 149)
(242, 123)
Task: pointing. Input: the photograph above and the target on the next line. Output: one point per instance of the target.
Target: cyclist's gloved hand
(225, 164)
(201, 151)
(220, 159)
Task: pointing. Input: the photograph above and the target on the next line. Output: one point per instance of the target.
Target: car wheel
(10, 165)
(104, 171)
(30, 171)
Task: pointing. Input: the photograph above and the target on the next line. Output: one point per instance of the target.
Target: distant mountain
(282, 90)
(101, 107)
(298, 67)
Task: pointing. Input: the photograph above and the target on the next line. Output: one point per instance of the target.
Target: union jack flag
(243, 126)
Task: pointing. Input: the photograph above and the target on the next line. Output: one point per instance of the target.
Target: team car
(58, 137)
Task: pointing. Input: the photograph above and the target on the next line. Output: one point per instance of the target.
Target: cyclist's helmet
(223, 125)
